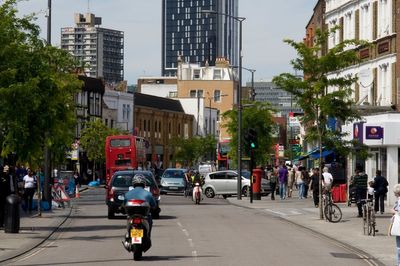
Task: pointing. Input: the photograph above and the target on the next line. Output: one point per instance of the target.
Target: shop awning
(315, 154)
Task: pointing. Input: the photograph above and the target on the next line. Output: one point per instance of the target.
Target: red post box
(256, 177)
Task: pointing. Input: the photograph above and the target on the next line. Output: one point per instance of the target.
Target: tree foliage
(258, 116)
(324, 93)
(93, 138)
(192, 150)
(37, 85)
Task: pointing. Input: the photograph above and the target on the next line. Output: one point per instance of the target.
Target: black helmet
(139, 180)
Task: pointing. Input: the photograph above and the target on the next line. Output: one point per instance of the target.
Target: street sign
(294, 141)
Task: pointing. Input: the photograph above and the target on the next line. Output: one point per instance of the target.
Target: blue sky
(267, 23)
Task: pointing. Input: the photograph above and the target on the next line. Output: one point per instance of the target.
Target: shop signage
(372, 132)
(364, 53)
(358, 132)
(383, 47)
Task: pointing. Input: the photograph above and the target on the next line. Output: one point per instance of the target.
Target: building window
(217, 74)
(383, 18)
(193, 94)
(217, 96)
(196, 74)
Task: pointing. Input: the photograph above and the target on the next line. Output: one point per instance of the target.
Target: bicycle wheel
(371, 223)
(333, 213)
(365, 222)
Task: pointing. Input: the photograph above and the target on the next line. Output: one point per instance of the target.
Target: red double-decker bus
(124, 152)
(223, 149)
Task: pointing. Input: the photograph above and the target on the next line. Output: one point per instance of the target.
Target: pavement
(348, 233)
(34, 230)
(380, 249)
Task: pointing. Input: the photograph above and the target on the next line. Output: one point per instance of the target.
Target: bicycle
(369, 222)
(332, 211)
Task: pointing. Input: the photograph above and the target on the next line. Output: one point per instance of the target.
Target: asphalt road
(213, 233)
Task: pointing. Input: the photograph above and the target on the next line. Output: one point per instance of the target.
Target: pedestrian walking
(77, 179)
(290, 182)
(306, 180)
(29, 190)
(283, 177)
(299, 182)
(4, 192)
(359, 182)
(315, 186)
(395, 211)
(380, 185)
(273, 178)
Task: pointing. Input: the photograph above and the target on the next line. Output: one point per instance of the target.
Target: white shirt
(29, 181)
(328, 178)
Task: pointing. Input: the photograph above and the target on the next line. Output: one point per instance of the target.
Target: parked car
(225, 183)
(173, 181)
(120, 184)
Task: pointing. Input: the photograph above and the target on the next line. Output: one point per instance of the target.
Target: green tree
(324, 93)
(258, 116)
(93, 139)
(37, 85)
(190, 151)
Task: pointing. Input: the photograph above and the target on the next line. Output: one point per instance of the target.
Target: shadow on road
(166, 217)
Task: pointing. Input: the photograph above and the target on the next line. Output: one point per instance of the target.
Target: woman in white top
(29, 190)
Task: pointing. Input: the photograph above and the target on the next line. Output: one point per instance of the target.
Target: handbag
(394, 227)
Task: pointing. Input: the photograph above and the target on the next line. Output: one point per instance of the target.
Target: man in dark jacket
(359, 181)
(380, 186)
(315, 186)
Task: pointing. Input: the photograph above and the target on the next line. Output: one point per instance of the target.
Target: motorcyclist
(139, 193)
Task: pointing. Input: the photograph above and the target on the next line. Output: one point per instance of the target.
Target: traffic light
(251, 139)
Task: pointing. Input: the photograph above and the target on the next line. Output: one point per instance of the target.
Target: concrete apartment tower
(197, 37)
(100, 50)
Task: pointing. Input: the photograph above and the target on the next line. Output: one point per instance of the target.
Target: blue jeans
(282, 190)
(301, 190)
(398, 249)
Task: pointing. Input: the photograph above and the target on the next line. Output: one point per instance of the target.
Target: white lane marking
(295, 212)
(37, 251)
(191, 244)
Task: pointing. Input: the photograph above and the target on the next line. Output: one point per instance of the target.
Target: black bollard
(12, 215)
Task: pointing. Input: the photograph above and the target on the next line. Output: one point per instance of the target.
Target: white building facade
(122, 103)
(376, 89)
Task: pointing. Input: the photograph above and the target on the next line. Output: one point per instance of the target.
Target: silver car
(223, 183)
(173, 181)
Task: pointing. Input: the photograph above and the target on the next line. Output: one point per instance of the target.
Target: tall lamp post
(239, 98)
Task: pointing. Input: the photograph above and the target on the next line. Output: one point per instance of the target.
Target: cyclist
(359, 181)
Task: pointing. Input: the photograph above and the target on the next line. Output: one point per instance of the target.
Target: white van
(206, 168)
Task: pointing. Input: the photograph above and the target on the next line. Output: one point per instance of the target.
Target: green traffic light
(252, 145)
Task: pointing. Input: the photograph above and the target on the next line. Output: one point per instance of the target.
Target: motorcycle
(137, 237)
(197, 193)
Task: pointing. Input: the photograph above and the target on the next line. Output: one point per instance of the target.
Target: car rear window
(125, 180)
(174, 174)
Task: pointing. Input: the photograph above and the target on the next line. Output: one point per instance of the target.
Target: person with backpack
(380, 186)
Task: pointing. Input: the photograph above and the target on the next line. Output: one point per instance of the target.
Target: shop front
(381, 133)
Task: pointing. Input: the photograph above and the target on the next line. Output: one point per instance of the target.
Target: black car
(119, 185)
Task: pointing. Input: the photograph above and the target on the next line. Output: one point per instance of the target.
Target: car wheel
(245, 191)
(209, 193)
(110, 213)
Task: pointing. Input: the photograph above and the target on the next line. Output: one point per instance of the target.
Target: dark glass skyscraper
(197, 37)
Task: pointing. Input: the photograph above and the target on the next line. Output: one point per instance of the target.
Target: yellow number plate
(136, 233)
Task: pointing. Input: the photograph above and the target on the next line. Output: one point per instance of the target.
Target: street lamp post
(239, 99)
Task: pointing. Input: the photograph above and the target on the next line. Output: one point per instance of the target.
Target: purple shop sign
(373, 132)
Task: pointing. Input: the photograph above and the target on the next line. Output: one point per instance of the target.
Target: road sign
(294, 141)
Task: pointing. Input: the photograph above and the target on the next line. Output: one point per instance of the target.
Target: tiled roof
(158, 102)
